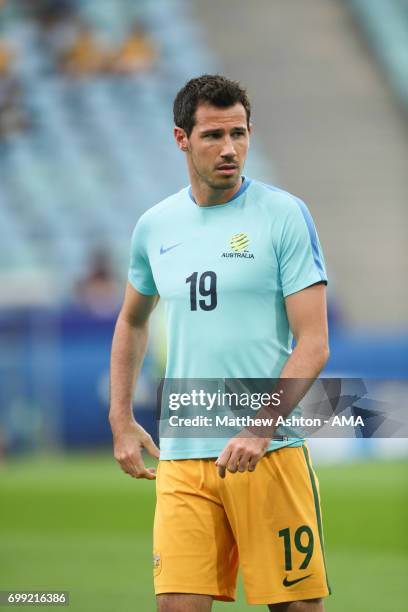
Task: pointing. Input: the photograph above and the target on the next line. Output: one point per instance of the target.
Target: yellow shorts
(267, 521)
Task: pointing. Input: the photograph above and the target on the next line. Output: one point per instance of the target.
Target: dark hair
(211, 89)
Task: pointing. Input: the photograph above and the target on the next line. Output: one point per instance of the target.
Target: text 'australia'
(245, 255)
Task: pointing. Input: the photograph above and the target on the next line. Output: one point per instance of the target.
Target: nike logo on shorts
(288, 583)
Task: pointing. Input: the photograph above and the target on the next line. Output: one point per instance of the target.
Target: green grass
(77, 523)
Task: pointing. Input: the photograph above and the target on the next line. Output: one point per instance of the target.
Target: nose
(228, 149)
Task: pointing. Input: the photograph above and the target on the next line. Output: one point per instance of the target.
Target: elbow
(325, 353)
(314, 351)
(318, 350)
(323, 350)
(132, 320)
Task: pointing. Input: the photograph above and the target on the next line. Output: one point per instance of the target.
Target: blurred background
(86, 146)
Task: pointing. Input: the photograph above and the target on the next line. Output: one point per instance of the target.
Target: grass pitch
(77, 523)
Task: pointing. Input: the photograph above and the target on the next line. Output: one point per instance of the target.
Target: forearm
(305, 363)
(128, 350)
(297, 376)
(307, 359)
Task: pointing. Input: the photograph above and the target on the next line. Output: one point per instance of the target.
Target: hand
(128, 442)
(242, 453)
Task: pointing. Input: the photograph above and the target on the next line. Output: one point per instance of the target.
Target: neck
(205, 195)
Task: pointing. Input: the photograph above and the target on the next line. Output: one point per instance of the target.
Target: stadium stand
(386, 25)
(99, 151)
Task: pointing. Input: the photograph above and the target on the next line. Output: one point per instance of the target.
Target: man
(228, 316)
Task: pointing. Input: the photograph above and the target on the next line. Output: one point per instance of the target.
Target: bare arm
(307, 316)
(128, 351)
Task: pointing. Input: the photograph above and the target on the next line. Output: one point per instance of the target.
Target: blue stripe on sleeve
(313, 237)
(311, 229)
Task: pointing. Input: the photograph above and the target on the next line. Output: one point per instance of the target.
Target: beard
(215, 182)
(224, 182)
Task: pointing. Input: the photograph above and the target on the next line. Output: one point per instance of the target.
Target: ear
(181, 138)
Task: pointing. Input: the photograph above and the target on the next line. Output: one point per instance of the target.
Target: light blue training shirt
(223, 272)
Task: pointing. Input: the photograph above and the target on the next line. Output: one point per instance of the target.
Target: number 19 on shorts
(306, 547)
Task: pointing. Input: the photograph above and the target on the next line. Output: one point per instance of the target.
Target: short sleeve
(301, 261)
(140, 273)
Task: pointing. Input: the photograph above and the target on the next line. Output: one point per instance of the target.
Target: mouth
(227, 169)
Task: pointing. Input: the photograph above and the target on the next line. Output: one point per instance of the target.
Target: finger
(222, 461)
(224, 456)
(244, 462)
(135, 467)
(128, 467)
(253, 462)
(139, 470)
(151, 448)
(148, 475)
(138, 474)
(122, 463)
(221, 470)
(233, 463)
(127, 471)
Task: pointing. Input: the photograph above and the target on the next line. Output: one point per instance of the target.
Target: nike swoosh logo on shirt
(173, 246)
(288, 583)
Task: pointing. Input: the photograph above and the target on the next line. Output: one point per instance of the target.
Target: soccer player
(239, 267)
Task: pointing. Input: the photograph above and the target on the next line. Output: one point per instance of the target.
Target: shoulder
(276, 201)
(158, 212)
